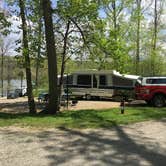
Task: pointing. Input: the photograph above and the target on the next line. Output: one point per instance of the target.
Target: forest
(40, 39)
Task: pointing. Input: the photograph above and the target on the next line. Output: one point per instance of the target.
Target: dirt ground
(20, 105)
(140, 144)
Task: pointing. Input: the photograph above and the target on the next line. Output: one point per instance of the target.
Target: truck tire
(159, 100)
(149, 102)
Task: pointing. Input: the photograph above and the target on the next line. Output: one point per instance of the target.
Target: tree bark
(9, 75)
(154, 39)
(39, 45)
(63, 61)
(138, 36)
(52, 58)
(31, 101)
(2, 74)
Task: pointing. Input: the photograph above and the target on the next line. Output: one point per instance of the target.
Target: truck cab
(152, 90)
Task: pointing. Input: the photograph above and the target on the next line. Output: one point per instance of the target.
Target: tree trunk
(2, 74)
(138, 37)
(63, 61)
(9, 75)
(31, 102)
(154, 40)
(39, 44)
(21, 81)
(116, 59)
(52, 58)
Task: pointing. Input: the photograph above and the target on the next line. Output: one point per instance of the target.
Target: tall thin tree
(138, 2)
(154, 39)
(2, 65)
(39, 43)
(31, 102)
(4, 31)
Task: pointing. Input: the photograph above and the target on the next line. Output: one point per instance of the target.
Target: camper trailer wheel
(88, 97)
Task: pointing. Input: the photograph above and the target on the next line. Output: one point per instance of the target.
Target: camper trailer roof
(132, 77)
(114, 72)
(94, 72)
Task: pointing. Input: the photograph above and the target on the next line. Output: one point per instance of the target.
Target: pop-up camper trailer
(101, 84)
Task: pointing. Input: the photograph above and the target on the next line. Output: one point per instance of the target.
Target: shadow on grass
(84, 118)
(77, 119)
(72, 119)
(149, 112)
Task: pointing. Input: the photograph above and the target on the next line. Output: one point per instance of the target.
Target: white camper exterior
(94, 83)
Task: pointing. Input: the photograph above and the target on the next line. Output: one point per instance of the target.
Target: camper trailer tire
(88, 97)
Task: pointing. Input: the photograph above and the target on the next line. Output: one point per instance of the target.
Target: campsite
(82, 82)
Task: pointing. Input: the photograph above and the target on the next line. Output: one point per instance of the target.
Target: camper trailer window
(102, 80)
(70, 79)
(84, 80)
(94, 82)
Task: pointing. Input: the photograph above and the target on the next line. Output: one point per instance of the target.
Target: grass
(83, 118)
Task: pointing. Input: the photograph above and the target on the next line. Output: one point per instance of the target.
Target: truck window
(84, 80)
(102, 80)
(156, 81)
(162, 81)
(149, 81)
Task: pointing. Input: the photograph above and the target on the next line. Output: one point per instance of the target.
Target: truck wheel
(159, 101)
(88, 97)
(149, 102)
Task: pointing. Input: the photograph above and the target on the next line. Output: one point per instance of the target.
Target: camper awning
(132, 77)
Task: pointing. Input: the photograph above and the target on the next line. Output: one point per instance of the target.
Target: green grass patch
(83, 118)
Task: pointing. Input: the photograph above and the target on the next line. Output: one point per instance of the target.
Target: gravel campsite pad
(20, 105)
(139, 144)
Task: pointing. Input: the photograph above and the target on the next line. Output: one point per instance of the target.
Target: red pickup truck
(152, 90)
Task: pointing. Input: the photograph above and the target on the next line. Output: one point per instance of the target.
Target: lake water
(14, 84)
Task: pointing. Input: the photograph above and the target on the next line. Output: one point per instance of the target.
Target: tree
(138, 11)
(5, 46)
(52, 58)
(72, 18)
(25, 52)
(63, 59)
(2, 66)
(4, 31)
(39, 42)
(35, 35)
(110, 36)
(4, 23)
(21, 75)
(154, 34)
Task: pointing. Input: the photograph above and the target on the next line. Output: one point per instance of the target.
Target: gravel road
(139, 144)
